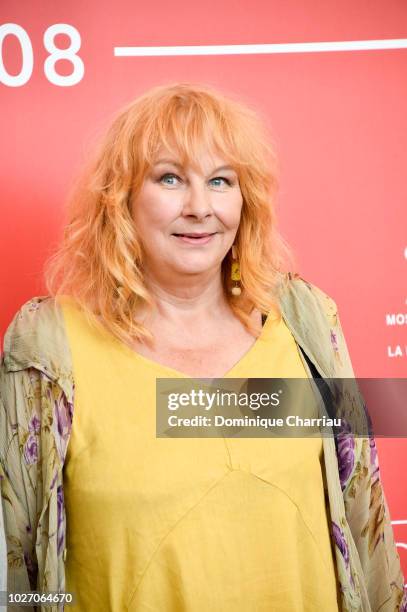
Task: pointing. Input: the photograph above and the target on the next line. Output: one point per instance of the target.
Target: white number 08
(55, 54)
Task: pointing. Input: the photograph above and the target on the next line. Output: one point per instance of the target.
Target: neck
(191, 297)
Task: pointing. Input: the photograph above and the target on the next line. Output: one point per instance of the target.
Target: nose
(197, 202)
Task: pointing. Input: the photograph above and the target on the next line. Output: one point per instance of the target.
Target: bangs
(189, 127)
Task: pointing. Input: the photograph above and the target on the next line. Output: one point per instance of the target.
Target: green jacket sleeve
(19, 474)
(366, 506)
(36, 395)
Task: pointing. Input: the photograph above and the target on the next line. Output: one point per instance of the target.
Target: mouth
(195, 237)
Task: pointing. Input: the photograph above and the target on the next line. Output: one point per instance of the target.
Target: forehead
(205, 158)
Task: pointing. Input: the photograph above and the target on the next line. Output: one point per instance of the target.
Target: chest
(199, 357)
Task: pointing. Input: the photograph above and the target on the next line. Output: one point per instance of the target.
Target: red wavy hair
(99, 261)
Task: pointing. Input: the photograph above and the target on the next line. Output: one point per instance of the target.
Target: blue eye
(168, 174)
(171, 175)
(221, 178)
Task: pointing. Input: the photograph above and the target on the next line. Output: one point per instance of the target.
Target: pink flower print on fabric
(346, 453)
(34, 424)
(335, 345)
(33, 306)
(62, 418)
(340, 541)
(60, 520)
(374, 460)
(62, 415)
(30, 450)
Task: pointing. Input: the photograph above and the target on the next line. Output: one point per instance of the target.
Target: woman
(171, 266)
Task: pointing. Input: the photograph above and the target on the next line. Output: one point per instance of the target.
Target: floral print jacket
(36, 410)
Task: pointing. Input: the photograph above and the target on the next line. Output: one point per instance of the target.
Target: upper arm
(19, 465)
(342, 364)
(327, 304)
(365, 503)
(36, 402)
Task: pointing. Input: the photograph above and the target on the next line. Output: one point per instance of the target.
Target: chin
(193, 270)
(188, 268)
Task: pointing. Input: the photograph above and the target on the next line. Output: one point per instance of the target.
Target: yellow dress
(193, 524)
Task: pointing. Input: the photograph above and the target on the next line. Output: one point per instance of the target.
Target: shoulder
(309, 296)
(36, 338)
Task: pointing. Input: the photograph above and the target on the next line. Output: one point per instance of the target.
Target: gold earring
(235, 273)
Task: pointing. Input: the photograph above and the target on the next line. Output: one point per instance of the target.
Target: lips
(194, 238)
(195, 235)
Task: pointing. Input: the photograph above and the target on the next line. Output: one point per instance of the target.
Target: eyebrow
(174, 163)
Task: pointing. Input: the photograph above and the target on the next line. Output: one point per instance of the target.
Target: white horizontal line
(402, 522)
(307, 47)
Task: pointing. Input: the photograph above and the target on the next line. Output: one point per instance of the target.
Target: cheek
(230, 212)
(154, 209)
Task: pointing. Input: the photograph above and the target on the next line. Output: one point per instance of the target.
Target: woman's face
(175, 201)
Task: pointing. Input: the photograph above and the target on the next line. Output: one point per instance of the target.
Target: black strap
(322, 385)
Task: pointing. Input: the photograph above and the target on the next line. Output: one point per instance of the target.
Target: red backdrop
(338, 118)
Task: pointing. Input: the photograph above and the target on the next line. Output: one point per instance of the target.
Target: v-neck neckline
(267, 321)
